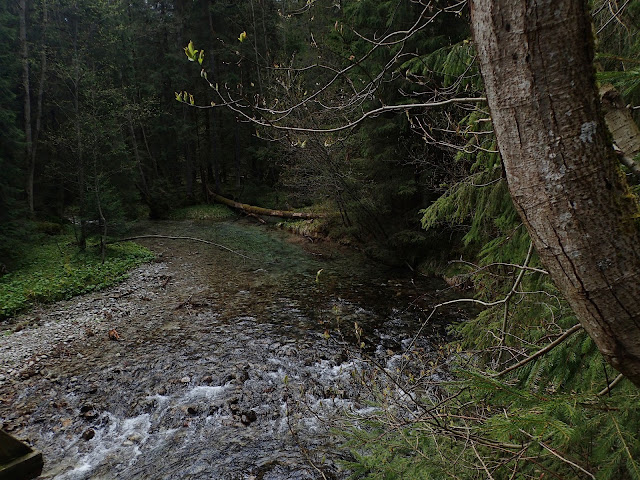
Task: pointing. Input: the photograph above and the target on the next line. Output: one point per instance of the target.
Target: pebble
(89, 434)
(185, 379)
(68, 325)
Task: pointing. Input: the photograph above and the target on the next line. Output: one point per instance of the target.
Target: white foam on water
(111, 443)
(205, 391)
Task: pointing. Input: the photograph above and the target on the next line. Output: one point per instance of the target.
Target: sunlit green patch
(215, 212)
(55, 269)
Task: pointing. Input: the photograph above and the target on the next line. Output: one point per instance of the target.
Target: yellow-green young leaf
(201, 57)
(178, 96)
(191, 100)
(190, 52)
(242, 37)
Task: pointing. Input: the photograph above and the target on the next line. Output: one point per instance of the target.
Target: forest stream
(227, 367)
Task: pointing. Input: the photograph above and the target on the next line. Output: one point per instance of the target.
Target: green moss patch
(214, 212)
(55, 270)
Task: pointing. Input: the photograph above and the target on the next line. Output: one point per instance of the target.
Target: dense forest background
(112, 111)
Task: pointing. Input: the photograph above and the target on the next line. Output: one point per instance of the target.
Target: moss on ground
(214, 212)
(54, 269)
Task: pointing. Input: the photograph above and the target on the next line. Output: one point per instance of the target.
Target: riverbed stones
(139, 381)
(248, 416)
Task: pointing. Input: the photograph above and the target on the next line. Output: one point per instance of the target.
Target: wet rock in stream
(239, 382)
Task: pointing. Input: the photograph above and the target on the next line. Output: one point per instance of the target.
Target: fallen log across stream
(253, 210)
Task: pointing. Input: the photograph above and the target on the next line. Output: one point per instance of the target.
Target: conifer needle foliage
(563, 414)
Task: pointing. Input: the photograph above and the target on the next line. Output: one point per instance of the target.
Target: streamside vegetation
(462, 139)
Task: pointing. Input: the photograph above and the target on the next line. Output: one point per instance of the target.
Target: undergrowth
(214, 212)
(55, 269)
(506, 412)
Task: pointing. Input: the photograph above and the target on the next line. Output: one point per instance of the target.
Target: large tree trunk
(536, 60)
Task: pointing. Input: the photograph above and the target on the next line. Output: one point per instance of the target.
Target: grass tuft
(214, 212)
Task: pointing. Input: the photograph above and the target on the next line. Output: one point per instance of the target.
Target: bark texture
(617, 116)
(536, 60)
(263, 211)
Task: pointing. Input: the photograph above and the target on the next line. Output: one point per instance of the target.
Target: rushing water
(230, 368)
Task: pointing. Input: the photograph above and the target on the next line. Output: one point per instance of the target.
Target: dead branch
(541, 352)
(512, 292)
(608, 388)
(167, 237)
(254, 211)
(557, 455)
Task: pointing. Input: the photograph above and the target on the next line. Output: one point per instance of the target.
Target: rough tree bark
(624, 131)
(536, 60)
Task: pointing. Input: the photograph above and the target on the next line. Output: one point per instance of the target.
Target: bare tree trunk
(236, 154)
(146, 145)
(536, 60)
(80, 164)
(24, 54)
(265, 211)
(136, 154)
(255, 47)
(36, 132)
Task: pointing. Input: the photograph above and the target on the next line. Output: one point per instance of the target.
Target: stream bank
(217, 358)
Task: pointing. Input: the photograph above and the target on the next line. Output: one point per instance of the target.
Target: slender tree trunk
(80, 166)
(236, 154)
(536, 60)
(255, 47)
(154, 162)
(36, 133)
(213, 149)
(136, 154)
(103, 220)
(24, 54)
(214, 160)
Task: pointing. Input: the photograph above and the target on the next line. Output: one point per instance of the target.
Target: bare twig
(608, 388)
(557, 455)
(542, 351)
(512, 292)
(128, 239)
